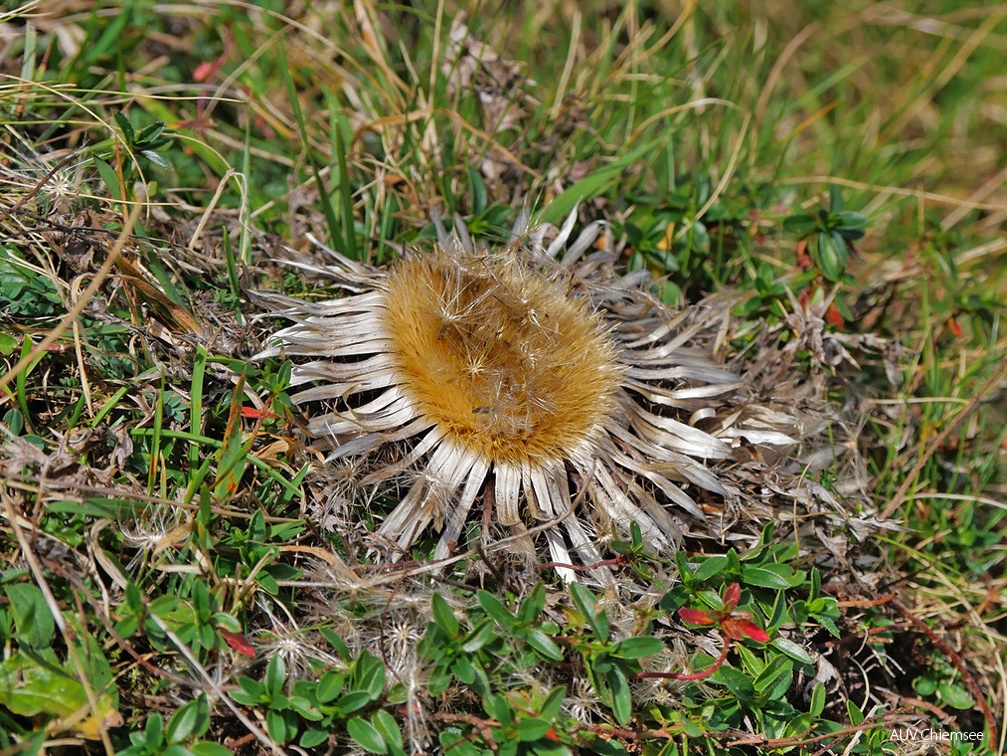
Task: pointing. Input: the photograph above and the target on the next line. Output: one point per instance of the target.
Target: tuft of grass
(172, 580)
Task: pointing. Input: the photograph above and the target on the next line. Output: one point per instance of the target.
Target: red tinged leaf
(954, 327)
(734, 625)
(732, 595)
(696, 616)
(258, 413)
(832, 317)
(238, 642)
(205, 70)
(738, 628)
(803, 258)
(209, 68)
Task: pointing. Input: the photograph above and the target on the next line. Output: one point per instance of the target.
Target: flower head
(553, 388)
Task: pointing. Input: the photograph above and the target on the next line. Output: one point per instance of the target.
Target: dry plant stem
(36, 570)
(959, 663)
(864, 726)
(884, 191)
(686, 676)
(861, 603)
(900, 496)
(80, 304)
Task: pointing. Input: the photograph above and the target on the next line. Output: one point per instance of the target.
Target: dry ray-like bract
(533, 377)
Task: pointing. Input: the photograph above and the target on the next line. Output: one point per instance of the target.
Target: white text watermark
(930, 734)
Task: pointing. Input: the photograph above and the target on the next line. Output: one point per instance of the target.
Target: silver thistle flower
(535, 375)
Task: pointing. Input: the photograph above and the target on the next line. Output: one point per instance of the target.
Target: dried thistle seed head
(558, 387)
(499, 356)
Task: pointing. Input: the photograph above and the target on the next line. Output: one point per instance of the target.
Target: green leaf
(793, 650)
(851, 224)
(276, 675)
(352, 701)
(455, 744)
(494, 608)
(856, 716)
(622, 702)
(329, 686)
(772, 675)
(544, 645)
(305, 708)
(203, 748)
(816, 584)
(711, 567)
(462, 669)
(606, 747)
(153, 732)
(925, 686)
(533, 604)
(482, 634)
(440, 681)
(954, 695)
(155, 158)
(126, 126)
(531, 729)
(498, 708)
(798, 726)
(736, 681)
(268, 583)
(775, 576)
(335, 641)
(388, 728)
(277, 726)
(226, 621)
(364, 734)
(636, 648)
(800, 224)
(829, 254)
(477, 190)
(836, 203)
(444, 617)
(553, 703)
(591, 186)
(32, 618)
(817, 700)
(113, 509)
(313, 737)
(249, 693)
(31, 685)
(585, 601)
(191, 720)
(369, 675)
(828, 624)
(149, 134)
(109, 177)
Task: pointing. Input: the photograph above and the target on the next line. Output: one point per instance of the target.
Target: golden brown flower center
(500, 356)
